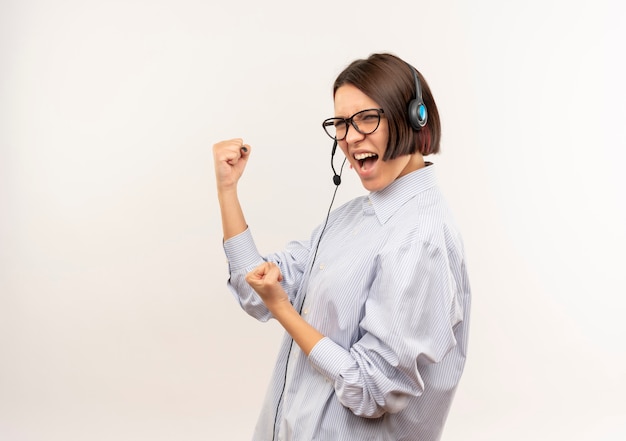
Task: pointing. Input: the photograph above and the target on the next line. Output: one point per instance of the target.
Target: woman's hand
(230, 158)
(265, 280)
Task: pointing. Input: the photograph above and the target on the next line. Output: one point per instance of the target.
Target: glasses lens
(335, 128)
(367, 121)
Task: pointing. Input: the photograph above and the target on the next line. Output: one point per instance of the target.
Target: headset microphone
(336, 177)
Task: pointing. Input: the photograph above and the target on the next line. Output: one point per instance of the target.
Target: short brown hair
(388, 80)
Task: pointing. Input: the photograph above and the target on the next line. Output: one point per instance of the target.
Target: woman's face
(365, 152)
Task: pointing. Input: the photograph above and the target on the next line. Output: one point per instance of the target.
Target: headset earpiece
(418, 115)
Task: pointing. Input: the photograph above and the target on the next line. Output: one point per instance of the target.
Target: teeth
(360, 156)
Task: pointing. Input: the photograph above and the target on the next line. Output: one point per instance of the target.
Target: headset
(418, 115)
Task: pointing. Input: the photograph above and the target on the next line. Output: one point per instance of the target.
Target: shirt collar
(388, 200)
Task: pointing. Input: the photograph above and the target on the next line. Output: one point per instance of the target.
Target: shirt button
(322, 266)
(306, 311)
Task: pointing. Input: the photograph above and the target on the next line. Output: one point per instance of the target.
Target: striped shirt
(390, 293)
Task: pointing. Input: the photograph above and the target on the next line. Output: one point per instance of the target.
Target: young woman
(376, 303)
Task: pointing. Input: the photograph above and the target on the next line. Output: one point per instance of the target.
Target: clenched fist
(265, 280)
(230, 158)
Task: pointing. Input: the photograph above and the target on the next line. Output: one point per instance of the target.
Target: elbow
(368, 407)
(368, 412)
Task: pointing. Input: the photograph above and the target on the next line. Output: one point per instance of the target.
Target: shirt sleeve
(409, 322)
(243, 256)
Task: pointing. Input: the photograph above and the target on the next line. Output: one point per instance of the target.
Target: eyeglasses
(365, 122)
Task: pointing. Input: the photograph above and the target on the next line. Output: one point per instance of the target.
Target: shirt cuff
(330, 359)
(241, 251)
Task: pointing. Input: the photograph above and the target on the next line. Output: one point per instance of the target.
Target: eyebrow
(358, 111)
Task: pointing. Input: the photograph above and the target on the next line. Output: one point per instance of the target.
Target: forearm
(230, 159)
(305, 335)
(233, 220)
(266, 281)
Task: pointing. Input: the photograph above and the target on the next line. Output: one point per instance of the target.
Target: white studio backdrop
(115, 322)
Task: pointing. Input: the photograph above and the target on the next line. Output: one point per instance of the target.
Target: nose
(353, 135)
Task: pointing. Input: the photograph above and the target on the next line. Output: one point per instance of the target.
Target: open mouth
(366, 160)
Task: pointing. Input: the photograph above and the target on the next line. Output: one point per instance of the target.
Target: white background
(115, 322)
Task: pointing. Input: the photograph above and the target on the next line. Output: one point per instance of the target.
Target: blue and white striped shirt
(390, 293)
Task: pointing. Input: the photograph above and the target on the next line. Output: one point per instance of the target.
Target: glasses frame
(350, 122)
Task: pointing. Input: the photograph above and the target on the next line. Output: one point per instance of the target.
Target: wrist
(281, 308)
(226, 191)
